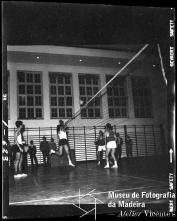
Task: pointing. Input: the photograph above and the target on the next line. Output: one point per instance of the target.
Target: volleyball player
(62, 131)
(110, 145)
(100, 142)
(18, 150)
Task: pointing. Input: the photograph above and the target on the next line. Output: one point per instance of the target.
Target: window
(29, 95)
(117, 99)
(88, 87)
(142, 97)
(61, 98)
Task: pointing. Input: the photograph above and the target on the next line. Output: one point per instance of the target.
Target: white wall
(158, 95)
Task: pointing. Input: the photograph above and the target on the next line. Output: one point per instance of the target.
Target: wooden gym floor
(61, 185)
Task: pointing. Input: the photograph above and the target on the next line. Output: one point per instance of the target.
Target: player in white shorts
(63, 142)
(110, 145)
(100, 142)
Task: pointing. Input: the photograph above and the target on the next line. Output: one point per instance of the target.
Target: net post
(27, 134)
(153, 132)
(39, 142)
(85, 144)
(94, 127)
(136, 141)
(125, 135)
(50, 132)
(74, 144)
(162, 138)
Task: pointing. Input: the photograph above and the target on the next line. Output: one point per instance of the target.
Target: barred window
(117, 99)
(61, 97)
(142, 97)
(89, 85)
(29, 95)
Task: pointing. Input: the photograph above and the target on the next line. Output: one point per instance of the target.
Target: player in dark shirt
(100, 143)
(32, 153)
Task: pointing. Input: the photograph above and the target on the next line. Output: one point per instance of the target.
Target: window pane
(38, 100)
(68, 90)
(21, 76)
(69, 112)
(54, 112)
(53, 101)
(110, 101)
(67, 80)
(22, 113)
(90, 113)
(111, 112)
(97, 101)
(30, 101)
(37, 89)
(95, 90)
(82, 91)
(38, 112)
(69, 101)
(30, 113)
(37, 78)
(83, 113)
(88, 80)
(117, 112)
(97, 112)
(29, 89)
(61, 101)
(53, 90)
(89, 91)
(52, 77)
(22, 101)
(60, 79)
(81, 80)
(29, 77)
(60, 90)
(21, 89)
(61, 112)
(95, 81)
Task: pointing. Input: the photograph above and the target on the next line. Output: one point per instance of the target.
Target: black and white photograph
(88, 110)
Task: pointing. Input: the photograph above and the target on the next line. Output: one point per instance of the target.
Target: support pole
(162, 67)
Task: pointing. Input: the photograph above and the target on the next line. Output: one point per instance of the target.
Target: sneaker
(24, 174)
(18, 175)
(107, 166)
(114, 166)
(52, 151)
(72, 165)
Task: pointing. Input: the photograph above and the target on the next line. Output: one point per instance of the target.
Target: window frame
(87, 97)
(117, 108)
(26, 107)
(145, 107)
(57, 84)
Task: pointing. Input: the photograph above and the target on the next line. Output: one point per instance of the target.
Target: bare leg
(16, 162)
(20, 163)
(68, 156)
(107, 157)
(98, 155)
(114, 158)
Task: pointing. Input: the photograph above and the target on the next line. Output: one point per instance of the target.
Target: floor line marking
(143, 178)
(139, 177)
(61, 198)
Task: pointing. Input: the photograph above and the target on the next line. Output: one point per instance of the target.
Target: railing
(148, 140)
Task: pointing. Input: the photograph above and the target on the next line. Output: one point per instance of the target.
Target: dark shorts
(16, 149)
(63, 142)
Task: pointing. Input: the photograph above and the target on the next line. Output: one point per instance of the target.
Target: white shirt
(62, 135)
(19, 138)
